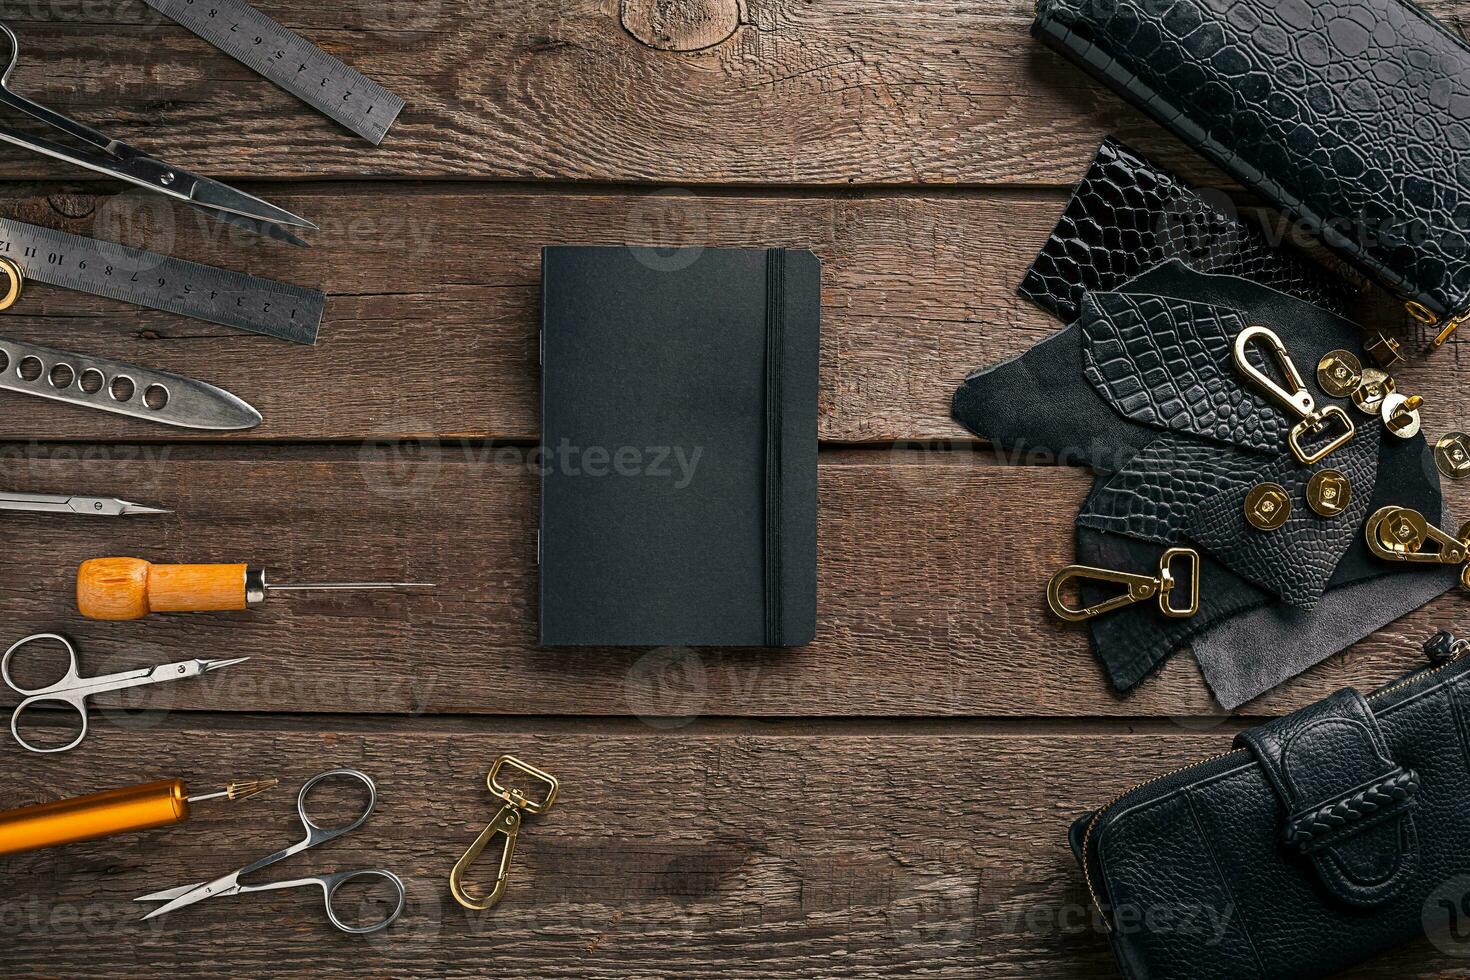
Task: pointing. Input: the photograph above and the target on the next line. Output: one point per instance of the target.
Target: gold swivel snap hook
(1137, 588)
(16, 279)
(1294, 397)
(1401, 533)
(506, 822)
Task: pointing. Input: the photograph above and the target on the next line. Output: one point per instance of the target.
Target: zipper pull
(1442, 647)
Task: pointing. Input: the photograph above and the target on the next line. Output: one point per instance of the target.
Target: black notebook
(679, 446)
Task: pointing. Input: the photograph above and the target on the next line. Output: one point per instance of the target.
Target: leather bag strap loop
(1348, 807)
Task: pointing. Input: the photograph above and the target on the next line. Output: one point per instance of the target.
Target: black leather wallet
(1353, 116)
(1327, 836)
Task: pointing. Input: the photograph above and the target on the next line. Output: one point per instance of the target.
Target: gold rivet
(1267, 506)
(1329, 493)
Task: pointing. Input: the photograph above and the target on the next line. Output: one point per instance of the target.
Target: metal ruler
(158, 282)
(292, 62)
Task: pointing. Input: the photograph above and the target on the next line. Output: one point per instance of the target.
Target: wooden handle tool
(131, 588)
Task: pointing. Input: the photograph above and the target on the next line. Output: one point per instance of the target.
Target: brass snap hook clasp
(1401, 533)
(507, 822)
(1294, 396)
(1138, 588)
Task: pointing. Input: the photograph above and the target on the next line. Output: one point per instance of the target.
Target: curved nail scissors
(177, 898)
(126, 162)
(74, 689)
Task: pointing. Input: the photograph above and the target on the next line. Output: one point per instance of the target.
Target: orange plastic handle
(131, 588)
(116, 811)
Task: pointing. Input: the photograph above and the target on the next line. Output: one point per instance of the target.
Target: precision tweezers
(126, 162)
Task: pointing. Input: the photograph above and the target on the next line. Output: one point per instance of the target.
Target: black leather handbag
(1327, 836)
(1353, 116)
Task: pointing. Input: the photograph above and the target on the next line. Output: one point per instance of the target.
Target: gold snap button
(1339, 372)
(1373, 387)
(1401, 414)
(1267, 506)
(1452, 455)
(1329, 493)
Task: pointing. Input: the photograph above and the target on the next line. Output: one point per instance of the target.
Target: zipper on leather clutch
(1426, 316)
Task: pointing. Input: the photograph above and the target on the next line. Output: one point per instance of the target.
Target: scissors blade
(222, 197)
(169, 894)
(207, 665)
(220, 887)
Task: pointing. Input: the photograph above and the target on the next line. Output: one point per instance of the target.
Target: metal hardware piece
(1386, 351)
(1267, 506)
(1138, 588)
(1452, 455)
(1400, 534)
(160, 282)
(1373, 387)
(1297, 399)
(1339, 372)
(1329, 493)
(290, 61)
(1401, 414)
(124, 389)
(65, 503)
(17, 279)
(507, 821)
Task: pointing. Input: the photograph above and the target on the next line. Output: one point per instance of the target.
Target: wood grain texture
(836, 93)
(667, 855)
(919, 612)
(433, 314)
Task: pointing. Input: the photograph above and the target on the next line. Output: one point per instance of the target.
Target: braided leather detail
(1314, 830)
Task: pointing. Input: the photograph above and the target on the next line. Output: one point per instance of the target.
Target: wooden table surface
(892, 798)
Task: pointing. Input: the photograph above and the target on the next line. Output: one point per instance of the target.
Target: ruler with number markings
(289, 60)
(159, 282)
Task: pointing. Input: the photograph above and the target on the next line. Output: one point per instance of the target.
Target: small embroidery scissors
(126, 162)
(74, 689)
(177, 898)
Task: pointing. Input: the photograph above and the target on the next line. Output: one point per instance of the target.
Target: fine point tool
(120, 388)
(507, 821)
(131, 588)
(73, 689)
(115, 158)
(158, 282)
(61, 503)
(106, 814)
(290, 61)
(230, 884)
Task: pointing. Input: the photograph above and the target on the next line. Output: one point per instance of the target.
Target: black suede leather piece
(1296, 560)
(1351, 115)
(1318, 756)
(1128, 214)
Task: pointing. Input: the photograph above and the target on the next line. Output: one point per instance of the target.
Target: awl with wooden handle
(131, 588)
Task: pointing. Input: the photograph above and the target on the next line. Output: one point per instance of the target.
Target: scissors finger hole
(50, 726)
(336, 801)
(366, 901)
(37, 663)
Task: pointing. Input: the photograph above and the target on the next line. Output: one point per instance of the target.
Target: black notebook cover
(679, 442)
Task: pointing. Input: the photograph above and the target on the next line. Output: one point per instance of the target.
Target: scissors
(74, 689)
(126, 162)
(177, 898)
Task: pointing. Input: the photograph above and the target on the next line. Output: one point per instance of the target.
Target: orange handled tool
(116, 811)
(131, 588)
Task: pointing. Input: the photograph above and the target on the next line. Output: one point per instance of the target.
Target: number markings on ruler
(159, 282)
(295, 64)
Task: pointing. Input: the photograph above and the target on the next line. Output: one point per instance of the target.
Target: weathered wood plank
(668, 855)
(434, 304)
(812, 93)
(930, 594)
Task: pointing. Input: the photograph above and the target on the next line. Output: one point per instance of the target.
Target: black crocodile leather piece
(1353, 116)
(1210, 839)
(1127, 214)
(1169, 363)
(1297, 559)
(1156, 494)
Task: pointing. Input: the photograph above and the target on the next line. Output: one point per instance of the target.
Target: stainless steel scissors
(74, 689)
(177, 898)
(126, 162)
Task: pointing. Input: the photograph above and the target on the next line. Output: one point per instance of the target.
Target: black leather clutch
(1327, 836)
(1353, 116)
